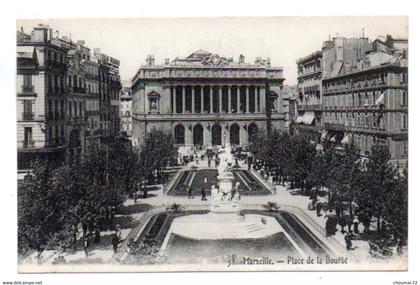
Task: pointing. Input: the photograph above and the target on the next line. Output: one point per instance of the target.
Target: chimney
(21, 29)
(241, 59)
(50, 34)
(39, 34)
(268, 62)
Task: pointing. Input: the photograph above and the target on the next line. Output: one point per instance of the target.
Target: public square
(200, 159)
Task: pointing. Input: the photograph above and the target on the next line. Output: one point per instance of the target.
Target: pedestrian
(203, 194)
(97, 235)
(328, 226)
(347, 239)
(190, 196)
(115, 242)
(112, 214)
(118, 232)
(209, 161)
(342, 222)
(318, 207)
(86, 246)
(135, 196)
(84, 229)
(349, 223)
(356, 225)
(203, 190)
(399, 247)
(338, 209)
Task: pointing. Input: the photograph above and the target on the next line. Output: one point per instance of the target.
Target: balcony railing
(337, 127)
(56, 64)
(310, 107)
(79, 90)
(26, 116)
(55, 142)
(29, 143)
(27, 88)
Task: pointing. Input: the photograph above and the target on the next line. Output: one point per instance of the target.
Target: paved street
(130, 214)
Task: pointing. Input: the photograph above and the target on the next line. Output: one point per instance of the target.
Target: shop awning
(25, 51)
(299, 120)
(308, 118)
(346, 139)
(333, 139)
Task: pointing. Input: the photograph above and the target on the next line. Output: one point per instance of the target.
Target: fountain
(224, 221)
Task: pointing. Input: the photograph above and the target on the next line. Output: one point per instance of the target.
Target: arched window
(179, 134)
(234, 134)
(252, 132)
(198, 135)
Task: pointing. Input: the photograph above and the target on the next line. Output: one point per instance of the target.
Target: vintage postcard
(212, 144)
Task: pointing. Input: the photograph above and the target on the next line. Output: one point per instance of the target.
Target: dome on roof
(199, 54)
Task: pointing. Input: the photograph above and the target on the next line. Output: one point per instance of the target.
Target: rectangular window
(27, 106)
(28, 134)
(405, 148)
(404, 122)
(404, 99)
(403, 77)
(27, 80)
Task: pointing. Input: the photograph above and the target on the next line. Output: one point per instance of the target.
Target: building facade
(126, 101)
(41, 100)
(206, 99)
(93, 135)
(57, 97)
(109, 90)
(370, 107)
(363, 96)
(309, 99)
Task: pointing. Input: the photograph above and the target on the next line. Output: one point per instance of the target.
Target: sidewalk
(130, 214)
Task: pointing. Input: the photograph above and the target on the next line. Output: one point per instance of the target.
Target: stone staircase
(251, 228)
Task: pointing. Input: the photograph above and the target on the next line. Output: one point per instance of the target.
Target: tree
(348, 175)
(38, 208)
(378, 183)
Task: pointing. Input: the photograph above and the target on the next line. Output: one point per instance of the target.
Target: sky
(282, 39)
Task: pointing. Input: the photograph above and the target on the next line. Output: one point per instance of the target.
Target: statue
(224, 199)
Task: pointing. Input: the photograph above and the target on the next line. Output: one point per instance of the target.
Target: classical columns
(173, 94)
(211, 99)
(183, 99)
(256, 99)
(220, 90)
(238, 99)
(202, 99)
(247, 99)
(193, 99)
(262, 98)
(229, 100)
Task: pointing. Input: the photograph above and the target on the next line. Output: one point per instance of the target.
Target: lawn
(248, 184)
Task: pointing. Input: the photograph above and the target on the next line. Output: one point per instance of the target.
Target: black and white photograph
(216, 157)
(201, 144)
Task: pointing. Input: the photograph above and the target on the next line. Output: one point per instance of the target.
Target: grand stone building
(206, 99)
(361, 97)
